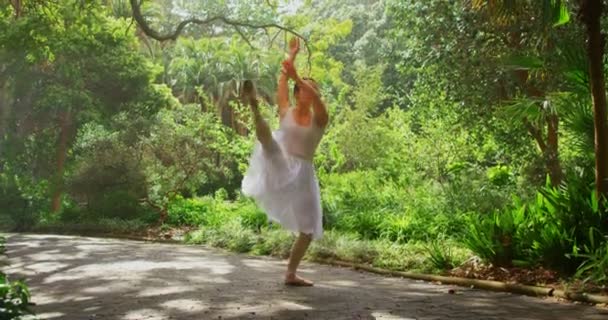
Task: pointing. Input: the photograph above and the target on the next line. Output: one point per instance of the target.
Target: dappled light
(242, 159)
(186, 282)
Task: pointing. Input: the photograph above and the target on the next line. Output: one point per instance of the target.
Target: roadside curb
(489, 285)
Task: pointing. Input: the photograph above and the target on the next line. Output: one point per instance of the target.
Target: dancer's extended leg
(262, 129)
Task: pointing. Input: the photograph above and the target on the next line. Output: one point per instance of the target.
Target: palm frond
(523, 108)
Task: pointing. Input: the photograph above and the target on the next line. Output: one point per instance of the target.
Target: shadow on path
(90, 278)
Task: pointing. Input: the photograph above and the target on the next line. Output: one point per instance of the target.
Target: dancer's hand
(294, 48)
(290, 70)
(306, 86)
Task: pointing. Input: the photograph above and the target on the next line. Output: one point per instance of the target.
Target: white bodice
(297, 140)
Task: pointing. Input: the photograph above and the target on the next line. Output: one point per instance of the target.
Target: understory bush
(372, 206)
(14, 299)
(14, 295)
(595, 266)
(563, 229)
(54, 224)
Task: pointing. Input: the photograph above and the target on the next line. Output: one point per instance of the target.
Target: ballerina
(281, 176)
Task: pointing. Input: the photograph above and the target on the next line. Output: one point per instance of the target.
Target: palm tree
(513, 20)
(213, 70)
(590, 14)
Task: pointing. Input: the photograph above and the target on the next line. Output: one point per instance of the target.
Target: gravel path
(90, 278)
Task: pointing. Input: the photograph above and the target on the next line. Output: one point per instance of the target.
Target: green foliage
(240, 238)
(564, 217)
(21, 201)
(70, 64)
(350, 248)
(217, 67)
(14, 295)
(188, 151)
(14, 299)
(385, 254)
(188, 212)
(356, 207)
(231, 235)
(107, 179)
(440, 255)
(274, 242)
(410, 256)
(493, 238)
(365, 203)
(343, 246)
(224, 224)
(214, 211)
(251, 216)
(437, 120)
(595, 266)
(551, 230)
(85, 226)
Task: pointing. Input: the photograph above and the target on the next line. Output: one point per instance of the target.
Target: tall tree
(69, 64)
(590, 14)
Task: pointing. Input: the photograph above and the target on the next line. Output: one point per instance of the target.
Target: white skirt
(286, 188)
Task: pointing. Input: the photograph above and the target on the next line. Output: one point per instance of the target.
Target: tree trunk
(62, 149)
(17, 7)
(163, 216)
(4, 109)
(549, 147)
(590, 14)
(552, 151)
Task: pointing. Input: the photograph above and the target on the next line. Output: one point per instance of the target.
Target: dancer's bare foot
(294, 280)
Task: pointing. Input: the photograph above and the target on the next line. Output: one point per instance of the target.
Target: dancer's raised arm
(283, 88)
(309, 93)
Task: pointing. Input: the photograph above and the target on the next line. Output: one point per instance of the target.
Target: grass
(102, 226)
(240, 235)
(334, 245)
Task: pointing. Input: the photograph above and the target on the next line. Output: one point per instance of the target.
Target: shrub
(560, 222)
(324, 248)
(232, 236)
(14, 296)
(408, 256)
(370, 205)
(595, 266)
(550, 230)
(188, 212)
(493, 237)
(251, 216)
(14, 299)
(351, 248)
(274, 242)
(440, 255)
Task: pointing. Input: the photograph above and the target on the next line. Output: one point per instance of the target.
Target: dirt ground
(91, 278)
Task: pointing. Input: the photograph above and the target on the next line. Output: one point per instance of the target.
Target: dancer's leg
(262, 129)
(297, 253)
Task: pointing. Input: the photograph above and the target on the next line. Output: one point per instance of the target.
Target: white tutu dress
(282, 179)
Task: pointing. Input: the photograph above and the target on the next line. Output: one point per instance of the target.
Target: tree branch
(130, 25)
(537, 134)
(274, 38)
(238, 30)
(143, 24)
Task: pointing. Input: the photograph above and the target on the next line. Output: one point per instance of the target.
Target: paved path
(89, 278)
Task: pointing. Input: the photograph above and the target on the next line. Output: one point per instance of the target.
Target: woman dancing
(281, 176)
